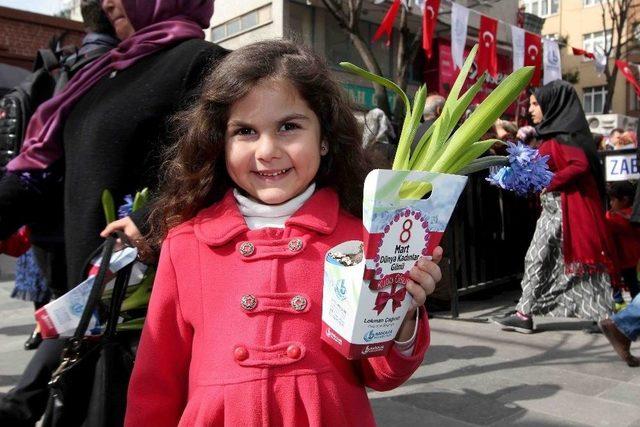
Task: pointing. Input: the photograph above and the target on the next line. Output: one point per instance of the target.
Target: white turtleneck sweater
(260, 215)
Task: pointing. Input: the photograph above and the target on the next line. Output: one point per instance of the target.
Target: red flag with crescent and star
(533, 55)
(386, 26)
(488, 50)
(626, 71)
(429, 22)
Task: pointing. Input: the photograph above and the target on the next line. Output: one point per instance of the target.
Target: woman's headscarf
(158, 24)
(565, 121)
(377, 128)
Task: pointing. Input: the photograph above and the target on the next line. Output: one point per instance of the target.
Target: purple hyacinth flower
(125, 209)
(527, 171)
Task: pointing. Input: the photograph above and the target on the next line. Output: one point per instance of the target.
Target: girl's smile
(272, 142)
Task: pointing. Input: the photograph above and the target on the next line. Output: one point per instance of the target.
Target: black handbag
(89, 388)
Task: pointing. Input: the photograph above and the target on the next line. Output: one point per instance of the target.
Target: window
(241, 24)
(541, 7)
(586, 3)
(593, 100)
(596, 42)
(635, 30)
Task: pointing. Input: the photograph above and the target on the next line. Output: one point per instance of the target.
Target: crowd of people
(256, 161)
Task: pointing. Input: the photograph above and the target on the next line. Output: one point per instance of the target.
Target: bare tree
(347, 13)
(408, 46)
(619, 13)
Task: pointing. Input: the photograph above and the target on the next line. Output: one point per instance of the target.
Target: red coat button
(248, 302)
(241, 353)
(246, 249)
(295, 245)
(293, 351)
(298, 303)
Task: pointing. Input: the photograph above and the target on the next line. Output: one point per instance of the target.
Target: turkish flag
(580, 52)
(386, 26)
(533, 55)
(626, 71)
(488, 51)
(429, 22)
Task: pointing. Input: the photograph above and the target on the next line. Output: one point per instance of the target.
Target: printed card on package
(60, 317)
(364, 294)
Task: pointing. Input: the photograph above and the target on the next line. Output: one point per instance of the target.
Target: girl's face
(535, 110)
(118, 18)
(273, 143)
(619, 204)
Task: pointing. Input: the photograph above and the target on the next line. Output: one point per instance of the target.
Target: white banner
(551, 61)
(517, 43)
(600, 63)
(459, 22)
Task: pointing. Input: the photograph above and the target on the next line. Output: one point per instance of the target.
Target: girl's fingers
(423, 279)
(111, 227)
(437, 254)
(429, 267)
(418, 293)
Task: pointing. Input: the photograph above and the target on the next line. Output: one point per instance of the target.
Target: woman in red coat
(268, 177)
(570, 259)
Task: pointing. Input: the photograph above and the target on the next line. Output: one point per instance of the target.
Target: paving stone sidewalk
(473, 375)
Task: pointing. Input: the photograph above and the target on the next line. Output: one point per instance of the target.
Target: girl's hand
(423, 279)
(127, 226)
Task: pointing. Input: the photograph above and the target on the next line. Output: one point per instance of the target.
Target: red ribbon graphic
(397, 296)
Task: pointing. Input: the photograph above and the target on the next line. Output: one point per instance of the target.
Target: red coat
(625, 236)
(586, 243)
(233, 339)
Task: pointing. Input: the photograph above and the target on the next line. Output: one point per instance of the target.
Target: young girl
(266, 179)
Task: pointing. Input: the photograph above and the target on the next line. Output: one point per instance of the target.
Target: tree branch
(336, 10)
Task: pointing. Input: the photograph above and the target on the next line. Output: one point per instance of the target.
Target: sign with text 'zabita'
(621, 167)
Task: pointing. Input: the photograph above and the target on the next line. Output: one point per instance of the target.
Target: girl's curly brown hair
(195, 174)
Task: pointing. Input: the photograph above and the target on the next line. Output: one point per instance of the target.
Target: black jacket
(113, 139)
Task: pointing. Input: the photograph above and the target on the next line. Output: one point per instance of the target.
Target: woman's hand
(423, 279)
(127, 226)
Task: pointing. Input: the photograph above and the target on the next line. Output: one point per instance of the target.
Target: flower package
(364, 296)
(362, 317)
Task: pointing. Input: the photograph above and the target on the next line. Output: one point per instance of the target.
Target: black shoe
(33, 341)
(514, 323)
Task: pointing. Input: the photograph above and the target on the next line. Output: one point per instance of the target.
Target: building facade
(580, 24)
(235, 24)
(23, 33)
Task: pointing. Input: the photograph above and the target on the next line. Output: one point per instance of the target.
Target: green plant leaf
(108, 206)
(458, 110)
(140, 200)
(483, 163)
(403, 153)
(472, 153)
(380, 80)
(483, 118)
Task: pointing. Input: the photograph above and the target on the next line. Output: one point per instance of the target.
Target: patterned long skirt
(30, 284)
(546, 289)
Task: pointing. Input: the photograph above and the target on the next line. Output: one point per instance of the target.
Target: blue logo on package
(371, 335)
(340, 289)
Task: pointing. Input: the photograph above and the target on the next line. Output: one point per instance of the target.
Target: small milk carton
(364, 294)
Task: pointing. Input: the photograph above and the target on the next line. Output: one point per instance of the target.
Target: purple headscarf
(158, 24)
